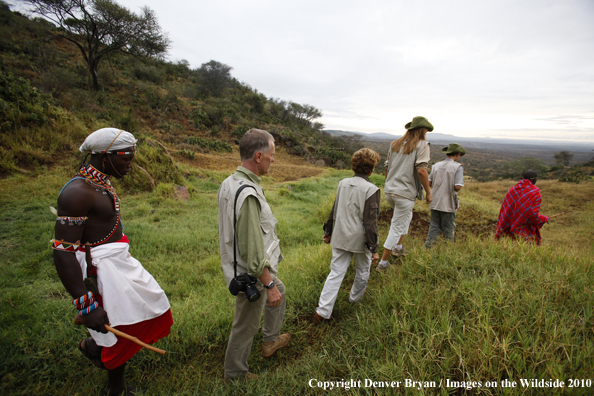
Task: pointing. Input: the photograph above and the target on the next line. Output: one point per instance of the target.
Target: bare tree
(98, 27)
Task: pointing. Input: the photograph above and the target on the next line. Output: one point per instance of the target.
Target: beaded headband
(115, 152)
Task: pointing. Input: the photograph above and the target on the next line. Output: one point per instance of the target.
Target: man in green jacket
(257, 253)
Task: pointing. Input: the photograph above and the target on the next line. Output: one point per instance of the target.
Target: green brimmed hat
(454, 148)
(419, 122)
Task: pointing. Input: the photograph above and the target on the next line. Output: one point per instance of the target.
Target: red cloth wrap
(149, 332)
(519, 216)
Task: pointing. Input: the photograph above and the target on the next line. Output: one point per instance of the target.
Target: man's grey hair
(253, 141)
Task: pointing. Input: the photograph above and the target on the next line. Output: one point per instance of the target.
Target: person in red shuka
(519, 216)
(93, 262)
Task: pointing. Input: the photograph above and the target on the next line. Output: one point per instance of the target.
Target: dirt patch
(419, 225)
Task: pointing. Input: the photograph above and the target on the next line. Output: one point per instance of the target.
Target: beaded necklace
(101, 182)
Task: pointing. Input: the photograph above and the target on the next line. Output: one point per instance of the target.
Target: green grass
(473, 310)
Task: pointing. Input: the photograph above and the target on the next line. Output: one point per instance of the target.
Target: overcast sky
(500, 68)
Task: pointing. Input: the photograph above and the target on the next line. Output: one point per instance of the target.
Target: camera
(247, 284)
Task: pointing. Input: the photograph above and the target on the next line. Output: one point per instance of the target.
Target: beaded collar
(100, 181)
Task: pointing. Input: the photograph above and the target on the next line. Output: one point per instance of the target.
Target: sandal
(95, 359)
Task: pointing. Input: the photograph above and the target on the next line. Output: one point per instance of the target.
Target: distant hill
(481, 142)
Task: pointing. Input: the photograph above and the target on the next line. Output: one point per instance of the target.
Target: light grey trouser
(441, 221)
(338, 268)
(246, 324)
(401, 218)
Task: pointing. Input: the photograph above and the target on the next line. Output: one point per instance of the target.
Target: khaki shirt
(402, 180)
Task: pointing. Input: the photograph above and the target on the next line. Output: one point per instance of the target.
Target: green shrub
(333, 155)
(156, 162)
(200, 118)
(240, 131)
(149, 73)
(187, 154)
(214, 145)
(575, 176)
(22, 104)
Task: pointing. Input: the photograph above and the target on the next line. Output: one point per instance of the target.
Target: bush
(187, 154)
(333, 155)
(575, 176)
(149, 73)
(214, 145)
(200, 118)
(22, 104)
(240, 131)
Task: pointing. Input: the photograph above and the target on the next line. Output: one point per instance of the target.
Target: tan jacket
(349, 232)
(445, 197)
(226, 198)
(403, 179)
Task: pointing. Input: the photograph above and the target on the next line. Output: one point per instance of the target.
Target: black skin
(80, 199)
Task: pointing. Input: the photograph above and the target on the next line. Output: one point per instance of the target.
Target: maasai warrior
(92, 259)
(519, 212)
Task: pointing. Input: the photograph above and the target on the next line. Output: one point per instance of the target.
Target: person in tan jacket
(406, 178)
(446, 179)
(351, 230)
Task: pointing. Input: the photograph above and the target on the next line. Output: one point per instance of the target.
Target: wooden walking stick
(78, 321)
(558, 214)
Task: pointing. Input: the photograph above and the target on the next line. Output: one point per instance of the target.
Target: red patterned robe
(519, 216)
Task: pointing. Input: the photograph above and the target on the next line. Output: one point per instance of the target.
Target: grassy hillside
(474, 310)
(47, 106)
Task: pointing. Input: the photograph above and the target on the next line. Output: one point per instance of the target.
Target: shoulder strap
(239, 190)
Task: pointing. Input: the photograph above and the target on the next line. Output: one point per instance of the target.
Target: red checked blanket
(519, 213)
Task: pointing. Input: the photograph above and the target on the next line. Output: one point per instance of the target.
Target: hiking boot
(268, 348)
(317, 319)
(382, 268)
(400, 252)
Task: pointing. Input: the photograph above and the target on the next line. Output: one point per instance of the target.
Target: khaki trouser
(441, 221)
(245, 326)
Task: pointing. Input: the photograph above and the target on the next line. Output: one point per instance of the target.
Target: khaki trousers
(441, 221)
(246, 324)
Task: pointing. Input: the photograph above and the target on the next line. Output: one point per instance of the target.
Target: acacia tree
(563, 157)
(215, 77)
(305, 114)
(98, 27)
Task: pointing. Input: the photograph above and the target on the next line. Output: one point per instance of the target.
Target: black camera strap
(235, 226)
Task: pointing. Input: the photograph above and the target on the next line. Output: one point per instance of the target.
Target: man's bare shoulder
(77, 198)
